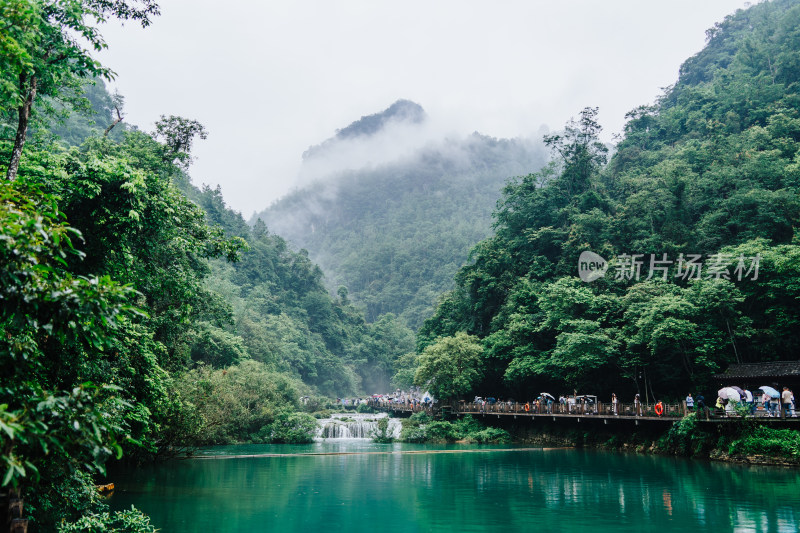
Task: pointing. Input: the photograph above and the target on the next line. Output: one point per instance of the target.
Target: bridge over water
(606, 412)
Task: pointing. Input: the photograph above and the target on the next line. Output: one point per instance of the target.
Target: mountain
(391, 207)
(402, 111)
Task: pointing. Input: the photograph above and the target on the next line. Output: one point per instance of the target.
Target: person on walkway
(786, 400)
(637, 405)
(614, 404)
(689, 403)
(701, 406)
(751, 404)
(765, 399)
(730, 407)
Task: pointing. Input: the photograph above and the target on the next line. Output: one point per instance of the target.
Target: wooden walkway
(599, 411)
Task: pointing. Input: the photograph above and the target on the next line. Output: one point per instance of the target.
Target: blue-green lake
(370, 487)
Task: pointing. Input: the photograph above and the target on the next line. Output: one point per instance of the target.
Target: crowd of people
(735, 401)
(730, 401)
(415, 398)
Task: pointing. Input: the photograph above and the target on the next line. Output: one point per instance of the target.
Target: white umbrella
(728, 393)
(548, 395)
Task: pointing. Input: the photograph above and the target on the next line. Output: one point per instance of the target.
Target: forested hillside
(140, 316)
(697, 213)
(393, 233)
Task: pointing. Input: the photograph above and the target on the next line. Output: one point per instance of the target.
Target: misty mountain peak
(400, 112)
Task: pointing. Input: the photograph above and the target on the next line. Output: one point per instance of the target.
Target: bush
(762, 440)
(382, 434)
(684, 437)
(236, 404)
(290, 428)
(420, 417)
(364, 408)
(422, 428)
(440, 431)
(467, 425)
(62, 498)
(415, 434)
(131, 521)
(490, 435)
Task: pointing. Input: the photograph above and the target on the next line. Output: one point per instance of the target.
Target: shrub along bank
(745, 441)
(421, 428)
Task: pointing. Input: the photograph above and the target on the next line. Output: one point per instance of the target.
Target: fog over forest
(392, 203)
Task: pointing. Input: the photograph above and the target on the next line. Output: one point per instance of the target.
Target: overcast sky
(270, 78)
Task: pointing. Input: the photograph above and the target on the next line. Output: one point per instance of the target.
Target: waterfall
(354, 426)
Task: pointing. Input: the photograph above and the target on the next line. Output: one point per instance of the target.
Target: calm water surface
(561, 490)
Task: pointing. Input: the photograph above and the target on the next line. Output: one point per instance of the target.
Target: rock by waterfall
(355, 426)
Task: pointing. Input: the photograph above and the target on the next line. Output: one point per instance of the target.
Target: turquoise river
(356, 486)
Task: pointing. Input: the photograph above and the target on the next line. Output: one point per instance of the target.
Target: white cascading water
(355, 426)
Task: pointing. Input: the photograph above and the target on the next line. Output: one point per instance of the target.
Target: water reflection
(558, 490)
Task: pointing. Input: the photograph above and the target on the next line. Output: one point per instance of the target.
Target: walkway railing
(600, 409)
(515, 408)
(592, 409)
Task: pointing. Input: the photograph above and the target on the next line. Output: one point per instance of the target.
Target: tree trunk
(22, 127)
(114, 122)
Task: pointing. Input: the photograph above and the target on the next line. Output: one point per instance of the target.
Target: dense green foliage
(57, 328)
(84, 366)
(287, 319)
(742, 440)
(130, 521)
(450, 367)
(395, 234)
(710, 169)
(766, 441)
(244, 403)
(421, 428)
(47, 50)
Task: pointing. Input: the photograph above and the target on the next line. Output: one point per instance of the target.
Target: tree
(178, 134)
(451, 366)
(52, 324)
(49, 49)
(582, 153)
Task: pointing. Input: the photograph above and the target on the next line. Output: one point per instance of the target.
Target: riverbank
(744, 442)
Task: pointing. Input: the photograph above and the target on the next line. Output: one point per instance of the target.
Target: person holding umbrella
(769, 394)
